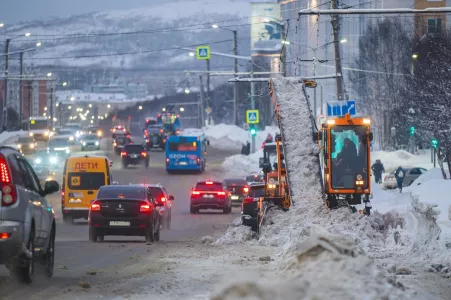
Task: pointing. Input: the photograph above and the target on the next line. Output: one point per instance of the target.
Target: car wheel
(92, 234)
(100, 238)
(149, 234)
(225, 210)
(50, 255)
(68, 219)
(24, 268)
(157, 235)
(192, 210)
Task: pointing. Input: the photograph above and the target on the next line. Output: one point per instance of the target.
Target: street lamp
(1, 25)
(90, 105)
(191, 54)
(345, 40)
(64, 83)
(49, 74)
(72, 98)
(182, 109)
(186, 91)
(215, 26)
(140, 107)
(415, 56)
(27, 34)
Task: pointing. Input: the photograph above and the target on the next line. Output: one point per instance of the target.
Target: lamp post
(3, 105)
(235, 87)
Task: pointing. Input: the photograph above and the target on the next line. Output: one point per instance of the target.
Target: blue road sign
(340, 108)
(203, 52)
(252, 116)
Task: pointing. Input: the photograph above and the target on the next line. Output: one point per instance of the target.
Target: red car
(210, 195)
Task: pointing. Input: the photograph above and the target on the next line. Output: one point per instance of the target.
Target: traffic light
(434, 143)
(253, 130)
(412, 130)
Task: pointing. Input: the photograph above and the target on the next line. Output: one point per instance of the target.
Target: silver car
(411, 174)
(90, 142)
(27, 221)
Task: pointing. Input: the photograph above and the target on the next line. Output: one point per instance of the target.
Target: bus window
(179, 146)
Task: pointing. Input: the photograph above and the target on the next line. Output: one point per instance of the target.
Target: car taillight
(209, 182)
(246, 189)
(164, 141)
(114, 144)
(195, 193)
(163, 199)
(123, 153)
(248, 200)
(144, 154)
(95, 207)
(4, 235)
(161, 130)
(198, 161)
(9, 196)
(167, 161)
(144, 208)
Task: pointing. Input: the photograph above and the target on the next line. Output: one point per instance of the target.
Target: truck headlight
(32, 146)
(359, 177)
(46, 133)
(31, 134)
(84, 143)
(99, 133)
(71, 138)
(38, 161)
(97, 143)
(19, 146)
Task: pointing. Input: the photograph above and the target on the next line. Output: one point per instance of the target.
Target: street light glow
(345, 40)
(140, 107)
(108, 106)
(72, 98)
(215, 26)
(191, 54)
(90, 105)
(286, 42)
(38, 44)
(1, 25)
(163, 109)
(27, 34)
(69, 107)
(49, 74)
(64, 83)
(415, 56)
(182, 109)
(186, 91)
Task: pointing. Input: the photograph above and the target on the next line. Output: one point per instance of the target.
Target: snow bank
(434, 173)
(242, 164)
(231, 137)
(6, 135)
(392, 160)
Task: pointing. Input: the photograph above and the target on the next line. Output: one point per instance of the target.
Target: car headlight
(31, 146)
(19, 146)
(99, 133)
(53, 160)
(31, 134)
(84, 143)
(47, 133)
(37, 160)
(359, 177)
(67, 150)
(97, 143)
(77, 134)
(71, 138)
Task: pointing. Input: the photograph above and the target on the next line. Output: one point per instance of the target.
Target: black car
(249, 207)
(120, 142)
(238, 189)
(155, 137)
(134, 154)
(210, 195)
(127, 210)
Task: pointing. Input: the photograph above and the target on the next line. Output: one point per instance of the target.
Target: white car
(410, 174)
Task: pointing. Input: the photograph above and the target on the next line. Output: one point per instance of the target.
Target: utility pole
(51, 108)
(336, 32)
(208, 91)
(21, 91)
(253, 104)
(284, 51)
(315, 103)
(5, 87)
(30, 111)
(60, 105)
(202, 120)
(235, 86)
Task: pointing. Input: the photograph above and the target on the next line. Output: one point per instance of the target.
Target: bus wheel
(331, 202)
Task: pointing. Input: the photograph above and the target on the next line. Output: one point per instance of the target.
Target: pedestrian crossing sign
(203, 52)
(75, 181)
(252, 117)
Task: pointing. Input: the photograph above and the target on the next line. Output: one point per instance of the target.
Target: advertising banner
(265, 27)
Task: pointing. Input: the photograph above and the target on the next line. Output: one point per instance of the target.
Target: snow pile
(392, 160)
(307, 275)
(242, 164)
(236, 234)
(435, 173)
(231, 137)
(6, 135)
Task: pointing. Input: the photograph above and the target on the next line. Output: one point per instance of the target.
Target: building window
(435, 26)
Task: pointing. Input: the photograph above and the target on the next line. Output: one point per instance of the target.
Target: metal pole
(30, 111)
(202, 102)
(435, 157)
(284, 52)
(208, 91)
(315, 105)
(336, 28)
(321, 108)
(60, 105)
(21, 91)
(51, 108)
(253, 104)
(5, 87)
(235, 86)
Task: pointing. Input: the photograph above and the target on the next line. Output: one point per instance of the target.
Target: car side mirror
(111, 163)
(208, 143)
(171, 198)
(51, 187)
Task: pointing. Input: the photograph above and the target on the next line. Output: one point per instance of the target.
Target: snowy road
(119, 260)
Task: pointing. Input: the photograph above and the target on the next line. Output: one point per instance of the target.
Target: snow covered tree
(384, 58)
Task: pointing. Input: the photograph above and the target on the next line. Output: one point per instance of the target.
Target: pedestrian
(399, 175)
(248, 148)
(378, 169)
(243, 149)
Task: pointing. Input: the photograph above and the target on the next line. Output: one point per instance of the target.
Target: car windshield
(206, 186)
(90, 137)
(85, 180)
(121, 192)
(59, 142)
(253, 178)
(235, 182)
(256, 191)
(349, 155)
(154, 129)
(25, 140)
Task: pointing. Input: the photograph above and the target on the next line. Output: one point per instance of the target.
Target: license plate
(183, 163)
(119, 223)
(235, 197)
(208, 196)
(134, 156)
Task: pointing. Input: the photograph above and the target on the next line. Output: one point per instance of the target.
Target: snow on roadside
(392, 160)
(242, 164)
(231, 137)
(6, 135)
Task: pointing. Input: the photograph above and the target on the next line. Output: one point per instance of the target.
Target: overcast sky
(13, 11)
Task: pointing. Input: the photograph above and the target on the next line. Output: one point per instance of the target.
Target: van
(82, 178)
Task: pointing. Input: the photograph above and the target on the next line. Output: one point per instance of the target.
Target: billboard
(266, 31)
